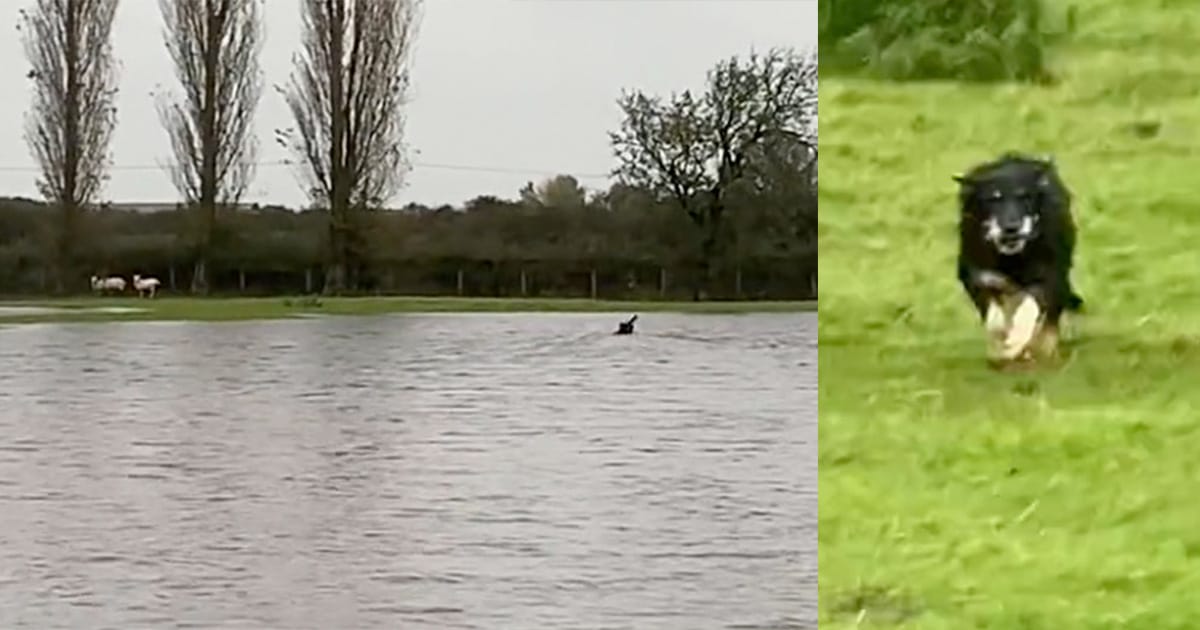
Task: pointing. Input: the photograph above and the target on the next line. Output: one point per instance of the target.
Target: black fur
(1012, 184)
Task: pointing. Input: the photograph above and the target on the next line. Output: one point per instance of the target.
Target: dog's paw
(1013, 337)
(995, 322)
(1025, 323)
(1016, 352)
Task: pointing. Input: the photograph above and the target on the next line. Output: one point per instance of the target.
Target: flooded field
(443, 471)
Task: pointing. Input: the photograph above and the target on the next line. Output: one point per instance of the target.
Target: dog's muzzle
(1009, 239)
(1010, 244)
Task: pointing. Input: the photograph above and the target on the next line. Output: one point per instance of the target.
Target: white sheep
(111, 283)
(146, 286)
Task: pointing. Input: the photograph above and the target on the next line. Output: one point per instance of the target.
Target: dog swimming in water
(626, 327)
(1016, 248)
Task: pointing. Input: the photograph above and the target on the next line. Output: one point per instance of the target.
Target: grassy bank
(233, 309)
(954, 497)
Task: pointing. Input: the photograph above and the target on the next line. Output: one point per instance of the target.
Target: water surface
(441, 471)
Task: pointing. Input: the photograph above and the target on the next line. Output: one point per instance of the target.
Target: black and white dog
(1016, 244)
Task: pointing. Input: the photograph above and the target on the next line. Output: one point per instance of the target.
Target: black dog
(1017, 242)
(626, 327)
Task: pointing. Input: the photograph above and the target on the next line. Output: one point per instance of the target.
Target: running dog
(1016, 245)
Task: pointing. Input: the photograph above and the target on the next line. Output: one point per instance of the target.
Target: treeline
(943, 39)
(555, 240)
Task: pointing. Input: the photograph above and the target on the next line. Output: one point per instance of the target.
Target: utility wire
(285, 162)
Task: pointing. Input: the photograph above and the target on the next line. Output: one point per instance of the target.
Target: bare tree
(784, 176)
(68, 129)
(695, 149)
(215, 45)
(347, 97)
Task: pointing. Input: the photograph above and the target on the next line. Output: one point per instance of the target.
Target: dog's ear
(1046, 173)
(963, 180)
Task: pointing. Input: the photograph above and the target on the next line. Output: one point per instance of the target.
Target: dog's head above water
(1005, 200)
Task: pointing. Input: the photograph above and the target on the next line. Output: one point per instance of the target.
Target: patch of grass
(235, 309)
(1055, 499)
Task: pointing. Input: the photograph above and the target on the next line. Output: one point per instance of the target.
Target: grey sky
(526, 85)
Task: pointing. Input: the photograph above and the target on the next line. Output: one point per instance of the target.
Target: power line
(515, 171)
(285, 162)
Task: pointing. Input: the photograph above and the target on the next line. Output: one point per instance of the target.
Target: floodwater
(441, 471)
(17, 311)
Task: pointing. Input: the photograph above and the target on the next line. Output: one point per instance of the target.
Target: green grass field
(233, 309)
(956, 497)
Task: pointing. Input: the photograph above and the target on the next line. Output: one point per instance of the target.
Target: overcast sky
(524, 86)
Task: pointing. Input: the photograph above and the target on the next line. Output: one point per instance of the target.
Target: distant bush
(974, 40)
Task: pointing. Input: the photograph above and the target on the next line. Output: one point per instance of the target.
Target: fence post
(460, 282)
(524, 285)
(242, 280)
(171, 277)
(308, 280)
(737, 282)
(662, 282)
(594, 284)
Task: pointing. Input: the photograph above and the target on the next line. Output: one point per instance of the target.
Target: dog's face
(1006, 202)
